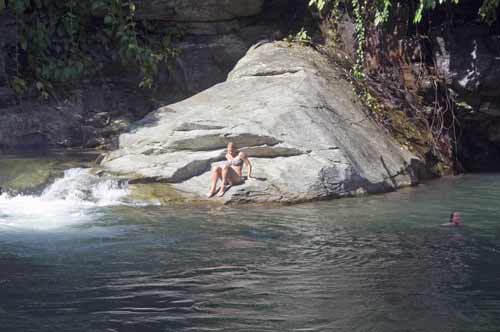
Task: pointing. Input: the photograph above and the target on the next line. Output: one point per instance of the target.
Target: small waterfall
(79, 185)
(69, 200)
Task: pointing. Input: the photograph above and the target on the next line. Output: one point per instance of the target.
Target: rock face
(91, 116)
(287, 107)
(468, 58)
(206, 60)
(208, 17)
(195, 10)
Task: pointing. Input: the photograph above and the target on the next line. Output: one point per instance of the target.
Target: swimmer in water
(454, 221)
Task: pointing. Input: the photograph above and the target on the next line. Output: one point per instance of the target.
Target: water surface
(381, 263)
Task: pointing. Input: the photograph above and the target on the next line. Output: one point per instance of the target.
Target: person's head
(242, 155)
(230, 148)
(455, 217)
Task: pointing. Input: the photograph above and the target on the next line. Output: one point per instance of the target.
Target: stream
(77, 255)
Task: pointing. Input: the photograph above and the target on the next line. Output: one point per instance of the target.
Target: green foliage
(426, 5)
(377, 12)
(382, 8)
(359, 9)
(383, 11)
(62, 41)
(488, 10)
(300, 37)
(319, 4)
(120, 20)
(19, 85)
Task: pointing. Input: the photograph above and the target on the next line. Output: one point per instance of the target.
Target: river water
(78, 256)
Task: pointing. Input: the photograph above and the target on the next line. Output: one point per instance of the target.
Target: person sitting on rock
(231, 173)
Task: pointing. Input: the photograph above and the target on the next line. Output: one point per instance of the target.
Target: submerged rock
(307, 134)
(18, 175)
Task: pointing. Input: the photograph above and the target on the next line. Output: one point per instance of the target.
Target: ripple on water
(379, 263)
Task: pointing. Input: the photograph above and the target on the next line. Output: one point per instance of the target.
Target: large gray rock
(303, 127)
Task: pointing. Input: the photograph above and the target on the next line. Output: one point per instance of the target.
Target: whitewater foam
(72, 199)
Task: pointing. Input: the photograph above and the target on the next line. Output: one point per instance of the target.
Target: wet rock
(160, 193)
(301, 124)
(21, 175)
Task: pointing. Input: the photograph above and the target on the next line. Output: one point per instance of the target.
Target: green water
(379, 263)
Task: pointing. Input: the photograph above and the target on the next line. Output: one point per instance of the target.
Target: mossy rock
(32, 173)
(161, 193)
(23, 175)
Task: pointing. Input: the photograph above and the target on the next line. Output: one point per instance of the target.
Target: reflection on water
(379, 263)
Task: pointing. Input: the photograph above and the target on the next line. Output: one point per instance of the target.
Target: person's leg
(230, 177)
(216, 175)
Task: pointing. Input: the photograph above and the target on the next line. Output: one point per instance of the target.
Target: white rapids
(71, 199)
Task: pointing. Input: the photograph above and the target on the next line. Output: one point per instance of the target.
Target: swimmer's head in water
(455, 217)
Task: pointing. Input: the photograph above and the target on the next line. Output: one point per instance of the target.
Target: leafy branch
(61, 41)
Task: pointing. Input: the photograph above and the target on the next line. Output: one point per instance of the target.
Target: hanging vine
(359, 10)
(377, 12)
(425, 128)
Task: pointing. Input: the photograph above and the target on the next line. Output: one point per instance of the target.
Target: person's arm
(249, 165)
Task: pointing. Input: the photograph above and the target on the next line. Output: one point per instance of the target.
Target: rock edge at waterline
(307, 134)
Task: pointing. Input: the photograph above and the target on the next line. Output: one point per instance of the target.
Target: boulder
(307, 134)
